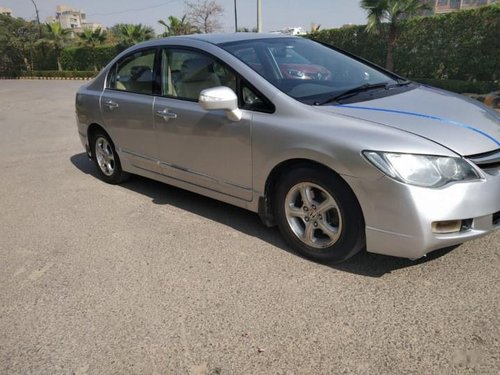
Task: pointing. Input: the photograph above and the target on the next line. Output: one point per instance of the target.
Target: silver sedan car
(339, 153)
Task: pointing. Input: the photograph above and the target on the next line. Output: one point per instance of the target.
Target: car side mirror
(221, 97)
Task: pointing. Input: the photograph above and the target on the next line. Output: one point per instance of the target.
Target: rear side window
(134, 73)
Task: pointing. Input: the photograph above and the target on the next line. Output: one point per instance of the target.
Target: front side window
(134, 73)
(254, 101)
(186, 73)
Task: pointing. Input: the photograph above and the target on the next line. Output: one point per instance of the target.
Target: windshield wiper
(354, 91)
(403, 82)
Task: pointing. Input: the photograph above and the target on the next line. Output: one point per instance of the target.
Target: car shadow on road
(364, 263)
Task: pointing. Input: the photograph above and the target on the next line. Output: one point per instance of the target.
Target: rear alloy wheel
(106, 159)
(318, 215)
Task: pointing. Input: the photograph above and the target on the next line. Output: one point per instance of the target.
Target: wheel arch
(265, 204)
(91, 131)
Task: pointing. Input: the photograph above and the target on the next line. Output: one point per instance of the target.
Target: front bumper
(399, 217)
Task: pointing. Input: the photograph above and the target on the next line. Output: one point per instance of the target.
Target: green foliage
(478, 87)
(92, 38)
(392, 11)
(356, 40)
(247, 29)
(177, 26)
(461, 45)
(44, 57)
(130, 34)
(58, 74)
(57, 38)
(88, 58)
(17, 42)
(457, 46)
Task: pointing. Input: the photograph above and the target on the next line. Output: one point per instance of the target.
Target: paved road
(146, 278)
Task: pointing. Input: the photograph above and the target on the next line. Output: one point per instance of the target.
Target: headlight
(422, 170)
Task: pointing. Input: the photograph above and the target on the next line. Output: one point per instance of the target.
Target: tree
(393, 12)
(204, 15)
(177, 26)
(17, 41)
(245, 29)
(315, 27)
(57, 37)
(11, 59)
(91, 39)
(130, 34)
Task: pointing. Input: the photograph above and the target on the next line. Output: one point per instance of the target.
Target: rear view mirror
(221, 97)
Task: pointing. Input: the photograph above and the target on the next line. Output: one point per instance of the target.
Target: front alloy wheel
(313, 215)
(318, 214)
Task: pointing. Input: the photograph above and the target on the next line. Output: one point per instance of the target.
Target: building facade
(446, 6)
(74, 19)
(6, 11)
(70, 18)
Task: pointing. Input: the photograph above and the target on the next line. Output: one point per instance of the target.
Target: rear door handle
(166, 114)
(111, 104)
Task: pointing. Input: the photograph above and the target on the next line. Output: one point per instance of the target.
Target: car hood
(454, 121)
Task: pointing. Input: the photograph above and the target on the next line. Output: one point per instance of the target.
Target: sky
(276, 14)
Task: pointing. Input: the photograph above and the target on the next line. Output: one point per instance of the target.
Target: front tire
(106, 159)
(318, 215)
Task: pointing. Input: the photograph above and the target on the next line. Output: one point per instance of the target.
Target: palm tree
(57, 37)
(315, 28)
(130, 34)
(393, 12)
(91, 39)
(177, 26)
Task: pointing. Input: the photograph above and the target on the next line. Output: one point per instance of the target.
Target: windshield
(305, 70)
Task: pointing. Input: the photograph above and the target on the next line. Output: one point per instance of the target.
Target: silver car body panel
(129, 117)
(449, 123)
(206, 153)
(194, 147)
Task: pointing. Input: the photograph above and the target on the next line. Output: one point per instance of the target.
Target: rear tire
(106, 159)
(318, 214)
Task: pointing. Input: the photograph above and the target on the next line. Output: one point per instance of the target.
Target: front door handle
(111, 104)
(166, 114)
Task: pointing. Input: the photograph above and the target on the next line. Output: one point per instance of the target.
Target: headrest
(197, 69)
(141, 73)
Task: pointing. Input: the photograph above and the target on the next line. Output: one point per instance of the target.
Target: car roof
(219, 38)
(234, 37)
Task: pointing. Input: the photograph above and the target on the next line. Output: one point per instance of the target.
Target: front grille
(488, 162)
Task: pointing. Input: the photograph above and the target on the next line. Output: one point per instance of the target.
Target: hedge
(44, 57)
(356, 40)
(86, 58)
(478, 87)
(451, 85)
(58, 74)
(460, 45)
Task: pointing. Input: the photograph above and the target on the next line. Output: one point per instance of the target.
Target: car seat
(196, 75)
